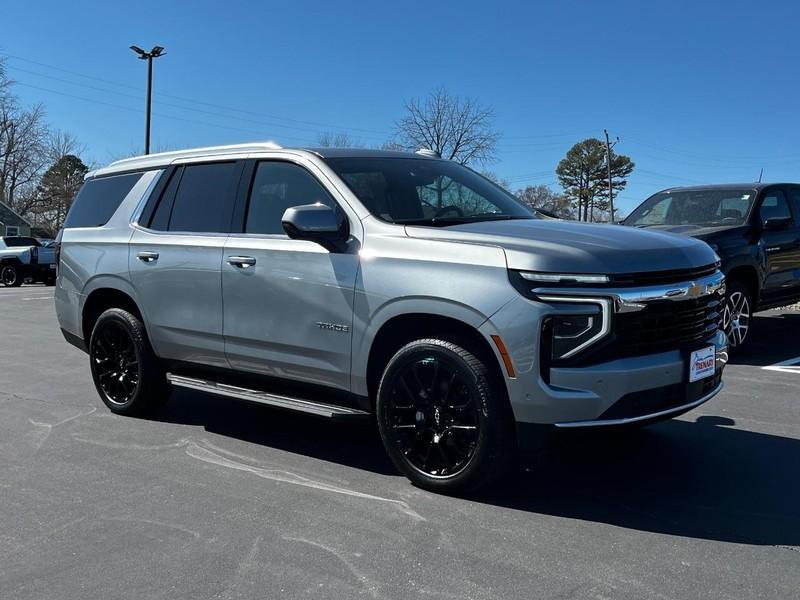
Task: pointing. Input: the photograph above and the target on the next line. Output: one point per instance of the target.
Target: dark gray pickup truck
(25, 259)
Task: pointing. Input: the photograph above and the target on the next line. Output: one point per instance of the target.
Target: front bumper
(624, 390)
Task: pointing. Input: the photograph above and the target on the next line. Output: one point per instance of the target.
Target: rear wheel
(444, 418)
(737, 314)
(125, 370)
(10, 276)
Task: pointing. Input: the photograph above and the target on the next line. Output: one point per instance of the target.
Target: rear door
(781, 249)
(175, 260)
(288, 304)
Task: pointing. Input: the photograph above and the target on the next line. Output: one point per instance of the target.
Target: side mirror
(316, 223)
(776, 223)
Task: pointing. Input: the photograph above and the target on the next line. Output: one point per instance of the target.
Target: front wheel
(10, 276)
(737, 314)
(125, 370)
(444, 417)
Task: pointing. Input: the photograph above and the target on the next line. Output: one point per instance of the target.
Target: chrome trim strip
(655, 415)
(634, 299)
(605, 309)
(319, 409)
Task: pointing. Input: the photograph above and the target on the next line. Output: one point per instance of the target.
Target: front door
(781, 250)
(288, 304)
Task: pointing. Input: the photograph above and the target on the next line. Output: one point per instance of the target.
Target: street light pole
(148, 56)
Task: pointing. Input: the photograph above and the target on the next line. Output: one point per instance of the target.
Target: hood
(572, 247)
(698, 231)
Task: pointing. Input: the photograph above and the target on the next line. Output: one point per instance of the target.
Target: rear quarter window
(98, 199)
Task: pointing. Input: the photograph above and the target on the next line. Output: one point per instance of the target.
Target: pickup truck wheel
(125, 370)
(10, 276)
(737, 314)
(444, 419)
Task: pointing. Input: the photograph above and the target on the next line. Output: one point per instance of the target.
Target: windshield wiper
(459, 220)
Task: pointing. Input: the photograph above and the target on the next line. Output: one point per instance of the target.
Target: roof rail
(210, 150)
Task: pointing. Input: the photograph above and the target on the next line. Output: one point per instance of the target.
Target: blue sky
(697, 91)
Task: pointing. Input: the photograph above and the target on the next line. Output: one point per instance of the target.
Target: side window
(774, 205)
(160, 218)
(276, 187)
(98, 199)
(794, 194)
(203, 200)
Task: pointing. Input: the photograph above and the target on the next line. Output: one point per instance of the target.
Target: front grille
(667, 324)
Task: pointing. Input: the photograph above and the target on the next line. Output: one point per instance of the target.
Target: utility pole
(148, 56)
(610, 186)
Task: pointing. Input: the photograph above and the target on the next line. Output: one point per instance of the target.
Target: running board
(319, 409)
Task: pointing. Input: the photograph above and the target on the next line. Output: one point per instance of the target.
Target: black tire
(10, 276)
(737, 315)
(437, 396)
(50, 281)
(125, 370)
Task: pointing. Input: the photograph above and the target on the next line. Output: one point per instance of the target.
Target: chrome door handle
(242, 262)
(147, 256)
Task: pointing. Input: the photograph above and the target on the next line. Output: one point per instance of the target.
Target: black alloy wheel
(444, 416)
(125, 370)
(115, 364)
(433, 413)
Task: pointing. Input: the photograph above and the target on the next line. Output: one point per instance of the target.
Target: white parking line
(38, 298)
(787, 366)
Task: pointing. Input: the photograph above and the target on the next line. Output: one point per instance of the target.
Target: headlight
(584, 322)
(563, 278)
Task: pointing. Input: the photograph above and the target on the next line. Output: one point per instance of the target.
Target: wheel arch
(747, 276)
(100, 299)
(403, 328)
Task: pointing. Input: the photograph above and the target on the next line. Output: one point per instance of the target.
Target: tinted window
(98, 199)
(794, 194)
(204, 198)
(774, 206)
(276, 187)
(23, 242)
(160, 220)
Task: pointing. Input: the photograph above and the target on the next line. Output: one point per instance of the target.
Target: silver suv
(395, 286)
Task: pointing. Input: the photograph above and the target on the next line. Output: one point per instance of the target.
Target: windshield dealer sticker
(701, 364)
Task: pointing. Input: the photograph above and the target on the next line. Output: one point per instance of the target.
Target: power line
(192, 100)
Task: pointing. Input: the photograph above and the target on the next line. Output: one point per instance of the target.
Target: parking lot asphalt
(221, 499)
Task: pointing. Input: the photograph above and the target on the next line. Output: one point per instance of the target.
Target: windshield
(708, 208)
(13, 242)
(426, 192)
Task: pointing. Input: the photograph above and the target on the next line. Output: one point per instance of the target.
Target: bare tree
(60, 143)
(458, 129)
(328, 139)
(23, 145)
(541, 197)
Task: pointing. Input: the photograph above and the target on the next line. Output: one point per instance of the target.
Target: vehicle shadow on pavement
(701, 480)
(774, 339)
(354, 444)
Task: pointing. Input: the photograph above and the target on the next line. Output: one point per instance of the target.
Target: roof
(757, 186)
(9, 217)
(161, 159)
(361, 153)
